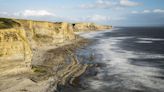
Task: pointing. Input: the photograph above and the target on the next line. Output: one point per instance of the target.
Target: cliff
(19, 37)
(39, 56)
(40, 32)
(89, 27)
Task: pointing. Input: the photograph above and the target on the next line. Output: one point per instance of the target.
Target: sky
(111, 12)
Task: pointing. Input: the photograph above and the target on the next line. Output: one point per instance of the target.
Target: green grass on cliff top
(8, 23)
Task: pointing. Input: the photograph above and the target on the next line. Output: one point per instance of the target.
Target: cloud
(145, 19)
(37, 13)
(158, 10)
(129, 3)
(34, 13)
(3, 13)
(90, 18)
(98, 18)
(31, 14)
(134, 12)
(148, 11)
(106, 4)
(43, 14)
(99, 4)
(48, 16)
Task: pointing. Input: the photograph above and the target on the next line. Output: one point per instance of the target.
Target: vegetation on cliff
(8, 23)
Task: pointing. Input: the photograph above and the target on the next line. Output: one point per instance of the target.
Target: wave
(119, 72)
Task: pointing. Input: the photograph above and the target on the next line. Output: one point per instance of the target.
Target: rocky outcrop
(89, 27)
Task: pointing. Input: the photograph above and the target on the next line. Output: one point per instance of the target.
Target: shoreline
(42, 77)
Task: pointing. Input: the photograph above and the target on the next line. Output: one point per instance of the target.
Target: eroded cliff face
(13, 42)
(89, 27)
(19, 37)
(51, 48)
(45, 33)
(14, 45)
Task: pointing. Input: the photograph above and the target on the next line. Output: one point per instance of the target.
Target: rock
(41, 33)
(46, 43)
(19, 37)
(14, 45)
(89, 27)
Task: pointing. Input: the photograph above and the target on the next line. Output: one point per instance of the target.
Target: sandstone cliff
(52, 48)
(13, 42)
(89, 27)
(40, 32)
(19, 37)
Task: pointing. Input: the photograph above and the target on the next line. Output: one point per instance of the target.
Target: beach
(46, 74)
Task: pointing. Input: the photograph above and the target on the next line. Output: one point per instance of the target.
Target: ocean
(126, 59)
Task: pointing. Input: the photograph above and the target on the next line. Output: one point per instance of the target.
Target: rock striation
(13, 42)
(19, 37)
(47, 32)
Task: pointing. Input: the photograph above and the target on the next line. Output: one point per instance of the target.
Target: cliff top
(11, 22)
(8, 23)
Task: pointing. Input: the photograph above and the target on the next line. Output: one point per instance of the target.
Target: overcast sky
(113, 12)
